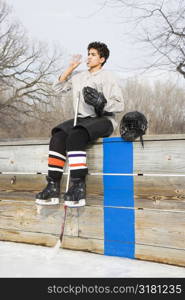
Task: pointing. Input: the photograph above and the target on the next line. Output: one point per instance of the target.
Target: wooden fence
(135, 198)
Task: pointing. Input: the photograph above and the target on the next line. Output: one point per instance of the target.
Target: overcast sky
(73, 24)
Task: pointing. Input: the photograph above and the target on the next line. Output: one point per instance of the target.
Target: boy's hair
(101, 48)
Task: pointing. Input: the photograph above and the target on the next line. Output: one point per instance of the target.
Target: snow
(30, 261)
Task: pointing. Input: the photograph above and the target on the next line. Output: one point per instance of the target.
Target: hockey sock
(56, 162)
(57, 155)
(76, 145)
(77, 163)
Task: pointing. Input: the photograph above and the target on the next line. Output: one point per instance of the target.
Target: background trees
(28, 106)
(27, 70)
(163, 103)
(160, 27)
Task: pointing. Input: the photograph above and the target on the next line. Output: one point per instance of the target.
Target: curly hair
(101, 48)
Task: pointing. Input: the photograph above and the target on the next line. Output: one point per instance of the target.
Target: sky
(73, 24)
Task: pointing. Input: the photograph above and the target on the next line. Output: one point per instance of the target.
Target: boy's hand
(75, 61)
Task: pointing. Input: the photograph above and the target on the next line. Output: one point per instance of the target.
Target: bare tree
(159, 24)
(163, 104)
(26, 71)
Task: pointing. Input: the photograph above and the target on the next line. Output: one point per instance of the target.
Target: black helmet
(133, 125)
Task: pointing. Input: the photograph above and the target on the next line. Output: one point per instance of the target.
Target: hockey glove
(94, 98)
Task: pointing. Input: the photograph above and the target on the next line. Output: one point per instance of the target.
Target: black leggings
(61, 145)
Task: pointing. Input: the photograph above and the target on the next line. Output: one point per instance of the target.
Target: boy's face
(94, 59)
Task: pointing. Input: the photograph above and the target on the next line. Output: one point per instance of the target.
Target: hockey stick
(74, 124)
(68, 178)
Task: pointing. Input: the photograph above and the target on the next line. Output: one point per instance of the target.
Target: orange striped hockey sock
(56, 162)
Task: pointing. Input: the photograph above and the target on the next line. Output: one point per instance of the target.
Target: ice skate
(51, 193)
(75, 196)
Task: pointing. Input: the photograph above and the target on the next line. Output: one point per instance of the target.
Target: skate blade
(52, 201)
(75, 203)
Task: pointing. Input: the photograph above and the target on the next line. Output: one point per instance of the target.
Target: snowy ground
(23, 260)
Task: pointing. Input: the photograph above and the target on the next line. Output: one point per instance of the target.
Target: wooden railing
(135, 198)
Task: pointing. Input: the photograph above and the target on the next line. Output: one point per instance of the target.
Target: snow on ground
(24, 260)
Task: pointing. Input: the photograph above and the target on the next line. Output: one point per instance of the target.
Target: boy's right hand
(75, 61)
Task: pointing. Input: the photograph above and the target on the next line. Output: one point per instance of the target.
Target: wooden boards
(149, 216)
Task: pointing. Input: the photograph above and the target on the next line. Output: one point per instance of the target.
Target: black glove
(94, 98)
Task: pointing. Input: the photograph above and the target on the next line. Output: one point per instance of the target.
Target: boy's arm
(64, 83)
(75, 62)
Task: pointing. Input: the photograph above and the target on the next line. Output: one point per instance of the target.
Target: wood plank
(23, 216)
(36, 238)
(160, 228)
(24, 158)
(159, 192)
(50, 240)
(24, 141)
(32, 183)
(42, 239)
(160, 157)
(36, 156)
(168, 158)
(144, 186)
(36, 183)
(84, 244)
(91, 222)
(91, 200)
(160, 254)
(162, 204)
(163, 187)
(95, 158)
(149, 192)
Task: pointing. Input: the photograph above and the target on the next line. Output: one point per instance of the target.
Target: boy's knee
(77, 139)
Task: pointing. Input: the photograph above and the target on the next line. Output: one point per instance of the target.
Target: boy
(100, 98)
